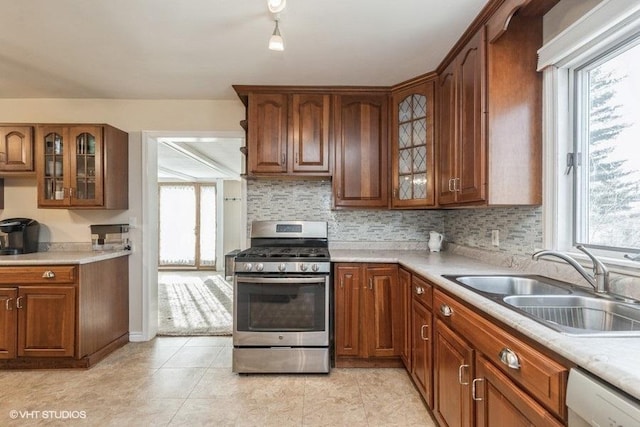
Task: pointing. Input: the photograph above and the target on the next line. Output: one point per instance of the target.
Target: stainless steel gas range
(281, 299)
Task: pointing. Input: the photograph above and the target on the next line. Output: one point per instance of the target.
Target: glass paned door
(208, 235)
(187, 219)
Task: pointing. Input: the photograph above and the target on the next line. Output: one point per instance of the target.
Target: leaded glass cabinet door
(413, 146)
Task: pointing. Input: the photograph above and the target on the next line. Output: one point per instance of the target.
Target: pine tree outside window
(607, 150)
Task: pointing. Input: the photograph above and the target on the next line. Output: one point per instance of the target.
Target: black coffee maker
(18, 236)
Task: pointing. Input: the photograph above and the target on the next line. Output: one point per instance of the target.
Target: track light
(276, 42)
(276, 6)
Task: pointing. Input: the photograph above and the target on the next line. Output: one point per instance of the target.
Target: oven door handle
(281, 280)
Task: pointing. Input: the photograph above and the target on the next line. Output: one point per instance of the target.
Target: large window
(607, 149)
(591, 74)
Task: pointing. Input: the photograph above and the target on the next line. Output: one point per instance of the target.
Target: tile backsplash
(520, 228)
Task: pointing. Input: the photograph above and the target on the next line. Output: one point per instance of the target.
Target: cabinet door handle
(48, 274)
(451, 188)
(456, 184)
(509, 358)
(446, 310)
(422, 328)
(473, 389)
(342, 283)
(419, 290)
(460, 369)
(18, 300)
(283, 159)
(371, 283)
(7, 304)
(297, 158)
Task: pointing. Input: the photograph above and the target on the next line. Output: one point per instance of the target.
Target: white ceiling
(197, 49)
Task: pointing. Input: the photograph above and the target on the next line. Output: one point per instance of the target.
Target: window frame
(603, 30)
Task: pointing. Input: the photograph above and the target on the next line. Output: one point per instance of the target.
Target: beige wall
(133, 116)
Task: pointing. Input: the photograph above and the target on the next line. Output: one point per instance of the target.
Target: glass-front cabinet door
(413, 146)
(86, 171)
(69, 166)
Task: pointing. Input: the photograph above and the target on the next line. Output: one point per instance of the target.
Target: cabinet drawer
(541, 376)
(422, 291)
(38, 274)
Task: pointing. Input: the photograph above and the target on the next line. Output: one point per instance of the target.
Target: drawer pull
(473, 389)
(422, 328)
(509, 358)
(460, 369)
(446, 310)
(371, 283)
(7, 304)
(18, 302)
(48, 274)
(419, 290)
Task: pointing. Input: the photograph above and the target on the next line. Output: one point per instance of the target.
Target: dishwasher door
(592, 402)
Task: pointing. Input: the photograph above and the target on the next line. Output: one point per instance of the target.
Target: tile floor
(188, 381)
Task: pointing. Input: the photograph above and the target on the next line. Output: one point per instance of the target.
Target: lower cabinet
(62, 315)
(484, 376)
(499, 402)
(452, 376)
(367, 313)
(422, 354)
(46, 321)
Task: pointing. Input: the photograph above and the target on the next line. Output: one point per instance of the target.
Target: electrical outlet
(495, 237)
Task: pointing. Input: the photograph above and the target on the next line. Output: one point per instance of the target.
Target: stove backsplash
(520, 228)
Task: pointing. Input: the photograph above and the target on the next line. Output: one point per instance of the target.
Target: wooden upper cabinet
(288, 134)
(412, 145)
(267, 133)
(361, 151)
(489, 112)
(310, 133)
(471, 159)
(462, 141)
(82, 166)
(16, 148)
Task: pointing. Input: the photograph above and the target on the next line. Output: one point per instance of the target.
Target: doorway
(231, 206)
(188, 225)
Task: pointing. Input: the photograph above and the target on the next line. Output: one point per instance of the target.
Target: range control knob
(248, 266)
(260, 267)
(282, 267)
(303, 266)
(315, 267)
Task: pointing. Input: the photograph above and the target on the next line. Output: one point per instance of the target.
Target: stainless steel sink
(580, 314)
(513, 285)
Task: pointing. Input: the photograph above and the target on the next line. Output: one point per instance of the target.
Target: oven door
(283, 311)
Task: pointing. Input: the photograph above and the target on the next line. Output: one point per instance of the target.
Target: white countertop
(60, 257)
(615, 360)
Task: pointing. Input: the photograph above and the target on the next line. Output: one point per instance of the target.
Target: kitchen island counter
(615, 360)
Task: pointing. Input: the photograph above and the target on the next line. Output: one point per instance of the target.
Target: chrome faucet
(600, 278)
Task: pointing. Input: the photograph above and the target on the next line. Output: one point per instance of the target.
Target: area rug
(194, 304)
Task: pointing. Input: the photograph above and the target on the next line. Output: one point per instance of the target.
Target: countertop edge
(61, 257)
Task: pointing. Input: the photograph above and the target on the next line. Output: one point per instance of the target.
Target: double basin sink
(561, 306)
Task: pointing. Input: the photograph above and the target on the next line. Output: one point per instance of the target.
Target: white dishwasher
(592, 402)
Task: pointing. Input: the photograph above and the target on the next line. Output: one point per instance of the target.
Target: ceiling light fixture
(276, 6)
(276, 42)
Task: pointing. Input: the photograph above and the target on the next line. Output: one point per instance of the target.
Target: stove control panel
(283, 267)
